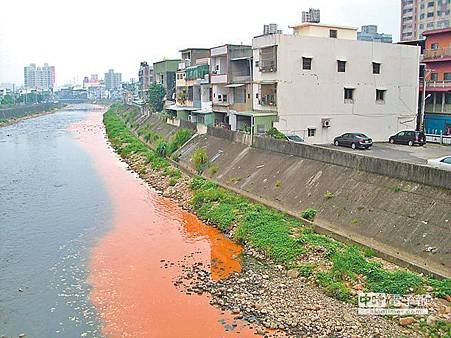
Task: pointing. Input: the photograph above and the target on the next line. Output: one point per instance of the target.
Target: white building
(323, 82)
(113, 81)
(40, 78)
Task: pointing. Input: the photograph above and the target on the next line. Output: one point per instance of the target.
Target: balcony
(267, 66)
(218, 78)
(444, 85)
(267, 98)
(436, 54)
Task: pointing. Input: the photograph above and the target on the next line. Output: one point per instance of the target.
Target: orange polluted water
(133, 293)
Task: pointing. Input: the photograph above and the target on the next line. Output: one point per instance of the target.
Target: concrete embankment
(405, 222)
(16, 113)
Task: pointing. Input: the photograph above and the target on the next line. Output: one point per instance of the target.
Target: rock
(448, 298)
(293, 273)
(429, 289)
(236, 311)
(358, 287)
(22, 335)
(406, 321)
(431, 320)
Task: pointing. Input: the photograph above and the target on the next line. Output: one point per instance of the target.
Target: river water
(87, 249)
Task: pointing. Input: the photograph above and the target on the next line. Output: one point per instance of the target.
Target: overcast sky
(90, 36)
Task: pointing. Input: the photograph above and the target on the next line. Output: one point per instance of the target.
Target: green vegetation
(396, 189)
(179, 139)
(328, 195)
(272, 232)
(212, 170)
(308, 214)
(162, 148)
(156, 96)
(274, 133)
(278, 184)
(200, 160)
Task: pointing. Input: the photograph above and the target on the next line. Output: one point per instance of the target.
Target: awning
(203, 111)
(179, 108)
(235, 85)
(241, 58)
(268, 82)
(342, 59)
(254, 114)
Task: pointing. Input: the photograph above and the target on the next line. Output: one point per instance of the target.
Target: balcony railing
(437, 53)
(437, 84)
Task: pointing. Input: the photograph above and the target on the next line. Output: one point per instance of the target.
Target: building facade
(369, 33)
(418, 16)
(193, 89)
(165, 73)
(39, 78)
(145, 78)
(231, 81)
(112, 80)
(437, 60)
(319, 89)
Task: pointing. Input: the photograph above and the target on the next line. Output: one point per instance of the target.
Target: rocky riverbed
(285, 303)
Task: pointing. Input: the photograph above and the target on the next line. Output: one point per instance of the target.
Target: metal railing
(436, 84)
(267, 66)
(437, 53)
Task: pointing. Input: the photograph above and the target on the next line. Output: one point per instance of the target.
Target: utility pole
(424, 97)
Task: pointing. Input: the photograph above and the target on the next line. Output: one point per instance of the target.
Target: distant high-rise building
(145, 75)
(369, 33)
(40, 78)
(271, 29)
(418, 16)
(113, 81)
(313, 15)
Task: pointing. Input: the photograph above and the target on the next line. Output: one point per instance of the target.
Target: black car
(410, 137)
(354, 140)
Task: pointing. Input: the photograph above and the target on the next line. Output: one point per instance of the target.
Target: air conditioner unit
(325, 123)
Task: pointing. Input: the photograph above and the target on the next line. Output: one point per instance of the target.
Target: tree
(7, 99)
(200, 159)
(156, 96)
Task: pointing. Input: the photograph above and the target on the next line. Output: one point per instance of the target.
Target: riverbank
(14, 120)
(286, 249)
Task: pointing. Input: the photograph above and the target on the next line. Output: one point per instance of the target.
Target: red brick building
(437, 58)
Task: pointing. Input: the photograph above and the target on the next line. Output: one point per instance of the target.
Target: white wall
(305, 97)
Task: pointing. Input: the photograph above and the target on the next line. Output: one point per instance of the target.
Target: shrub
(274, 133)
(162, 148)
(179, 139)
(308, 214)
(200, 160)
(278, 183)
(213, 169)
(328, 195)
(172, 181)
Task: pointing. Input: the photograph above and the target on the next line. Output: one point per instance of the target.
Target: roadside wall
(405, 171)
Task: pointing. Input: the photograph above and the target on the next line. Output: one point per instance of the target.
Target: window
(430, 14)
(306, 63)
(380, 95)
(446, 160)
(341, 66)
(257, 63)
(349, 95)
(447, 77)
(434, 45)
(311, 132)
(434, 77)
(224, 97)
(333, 33)
(376, 68)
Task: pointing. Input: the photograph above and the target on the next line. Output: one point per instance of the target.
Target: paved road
(404, 153)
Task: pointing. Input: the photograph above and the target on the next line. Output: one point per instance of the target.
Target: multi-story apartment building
(437, 60)
(312, 15)
(145, 76)
(39, 78)
(369, 33)
(418, 16)
(231, 80)
(113, 81)
(193, 90)
(164, 73)
(322, 82)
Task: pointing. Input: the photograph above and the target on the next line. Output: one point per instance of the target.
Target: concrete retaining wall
(405, 171)
(410, 222)
(232, 136)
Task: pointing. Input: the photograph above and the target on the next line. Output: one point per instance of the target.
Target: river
(87, 249)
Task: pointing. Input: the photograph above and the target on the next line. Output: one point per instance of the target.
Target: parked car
(354, 140)
(294, 139)
(410, 137)
(441, 163)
